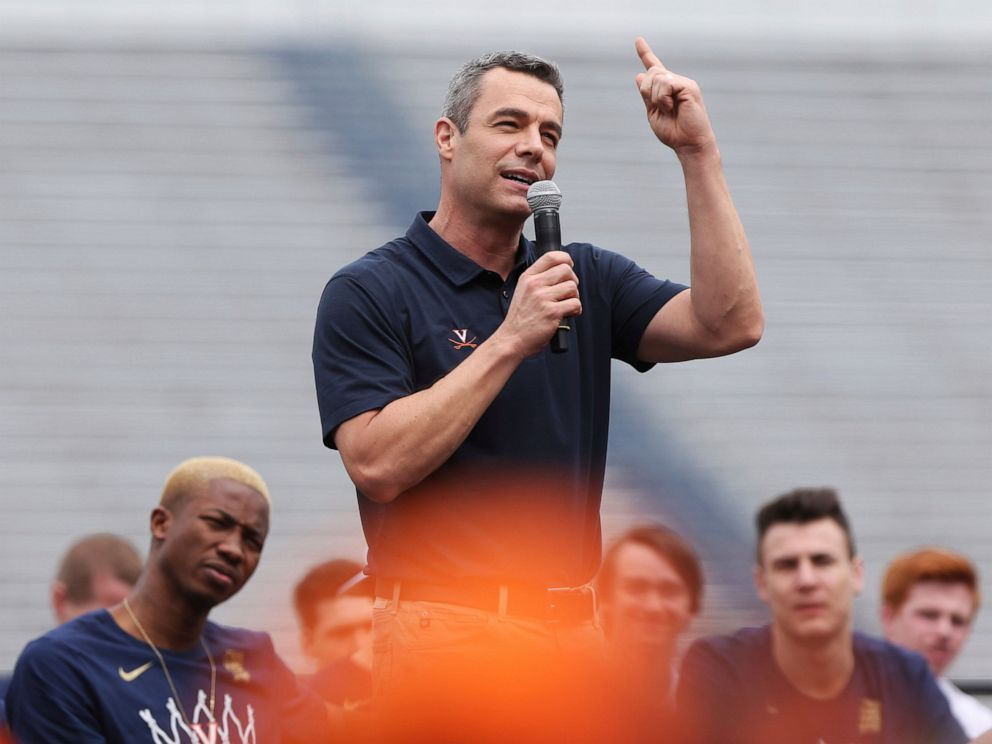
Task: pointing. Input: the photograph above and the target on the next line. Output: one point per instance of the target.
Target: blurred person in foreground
(808, 677)
(477, 453)
(650, 588)
(154, 668)
(333, 603)
(96, 571)
(929, 600)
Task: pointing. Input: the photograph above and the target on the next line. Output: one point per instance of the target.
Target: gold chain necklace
(168, 677)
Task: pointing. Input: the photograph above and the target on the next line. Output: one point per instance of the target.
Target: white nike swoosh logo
(134, 673)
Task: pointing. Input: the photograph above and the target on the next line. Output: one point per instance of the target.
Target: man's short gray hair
(464, 88)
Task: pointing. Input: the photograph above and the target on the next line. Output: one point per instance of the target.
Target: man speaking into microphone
(477, 453)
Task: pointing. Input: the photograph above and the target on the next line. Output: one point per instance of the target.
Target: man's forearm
(721, 313)
(725, 296)
(388, 451)
(392, 449)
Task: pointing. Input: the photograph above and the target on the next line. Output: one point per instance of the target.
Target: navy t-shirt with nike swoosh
(88, 681)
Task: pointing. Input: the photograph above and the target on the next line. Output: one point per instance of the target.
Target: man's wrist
(699, 155)
(504, 347)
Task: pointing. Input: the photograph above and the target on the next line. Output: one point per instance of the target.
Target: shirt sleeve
(45, 701)
(937, 720)
(303, 717)
(361, 359)
(634, 297)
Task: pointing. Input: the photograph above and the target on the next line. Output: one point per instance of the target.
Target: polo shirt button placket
(504, 302)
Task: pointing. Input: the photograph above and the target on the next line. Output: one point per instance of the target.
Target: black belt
(552, 604)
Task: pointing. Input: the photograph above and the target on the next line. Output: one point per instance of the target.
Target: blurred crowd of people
(135, 658)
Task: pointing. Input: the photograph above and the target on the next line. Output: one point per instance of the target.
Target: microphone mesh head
(543, 195)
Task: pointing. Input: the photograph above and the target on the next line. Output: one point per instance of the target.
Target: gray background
(177, 183)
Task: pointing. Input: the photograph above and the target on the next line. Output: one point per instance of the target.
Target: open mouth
(519, 178)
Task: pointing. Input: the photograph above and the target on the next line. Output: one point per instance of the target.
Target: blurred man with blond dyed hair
(154, 663)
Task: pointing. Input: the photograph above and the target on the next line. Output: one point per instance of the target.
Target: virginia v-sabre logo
(463, 341)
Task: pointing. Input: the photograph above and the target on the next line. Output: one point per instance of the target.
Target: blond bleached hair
(198, 471)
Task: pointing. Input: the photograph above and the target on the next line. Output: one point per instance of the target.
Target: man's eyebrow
(515, 113)
(788, 558)
(230, 518)
(217, 511)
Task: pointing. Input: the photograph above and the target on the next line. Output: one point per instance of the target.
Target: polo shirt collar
(459, 268)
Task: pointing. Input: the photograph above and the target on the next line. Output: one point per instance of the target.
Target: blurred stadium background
(177, 183)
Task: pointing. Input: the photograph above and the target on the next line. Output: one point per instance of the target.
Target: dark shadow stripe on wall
(345, 100)
(672, 486)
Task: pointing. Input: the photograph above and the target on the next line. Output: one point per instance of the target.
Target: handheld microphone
(544, 198)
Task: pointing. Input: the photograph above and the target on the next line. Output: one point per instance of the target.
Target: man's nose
(232, 548)
(653, 602)
(806, 574)
(944, 626)
(530, 144)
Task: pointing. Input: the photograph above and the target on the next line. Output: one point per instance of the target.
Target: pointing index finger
(648, 57)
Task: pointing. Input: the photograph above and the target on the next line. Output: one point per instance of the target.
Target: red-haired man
(929, 600)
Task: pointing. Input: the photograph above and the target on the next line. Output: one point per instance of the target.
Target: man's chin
(209, 597)
(516, 213)
(514, 206)
(813, 632)
(938, 664)
(650, 641)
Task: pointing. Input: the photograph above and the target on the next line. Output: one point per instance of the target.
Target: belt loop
(595, 608)
(504, 596)
(396, 596)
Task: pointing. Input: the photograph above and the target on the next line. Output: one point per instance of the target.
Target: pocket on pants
(435, 627)
(382, 654)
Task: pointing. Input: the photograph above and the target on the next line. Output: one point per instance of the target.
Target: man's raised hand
(674, 104)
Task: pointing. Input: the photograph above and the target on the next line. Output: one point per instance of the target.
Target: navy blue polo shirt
(519, 499)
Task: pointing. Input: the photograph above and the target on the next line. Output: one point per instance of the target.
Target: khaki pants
(448, 673)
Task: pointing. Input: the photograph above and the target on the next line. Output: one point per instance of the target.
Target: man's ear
(306, 642)
(59, 590)
(888, 617)
(859, 574)
(161, 519)
(445, 133)
(758, 575)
